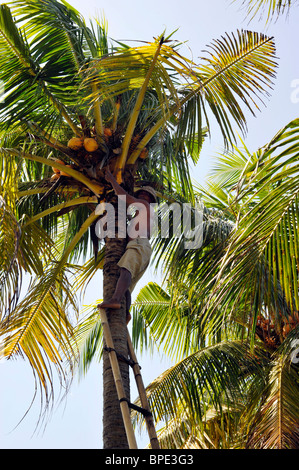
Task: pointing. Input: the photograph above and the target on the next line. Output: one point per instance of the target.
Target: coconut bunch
(92, 154)
(265, 330)
(90, 144)
(269, 333)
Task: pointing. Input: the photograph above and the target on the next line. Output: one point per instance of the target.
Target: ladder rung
(121, 357)
(141, 410)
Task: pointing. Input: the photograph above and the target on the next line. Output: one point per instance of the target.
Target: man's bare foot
(111, 303)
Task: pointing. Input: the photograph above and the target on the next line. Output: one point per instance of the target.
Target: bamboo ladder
(125, 405)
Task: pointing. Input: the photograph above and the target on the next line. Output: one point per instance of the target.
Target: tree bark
(114, 436)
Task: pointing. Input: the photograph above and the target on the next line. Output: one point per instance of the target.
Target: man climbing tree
(136, 258)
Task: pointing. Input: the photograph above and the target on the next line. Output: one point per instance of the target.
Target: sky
(76, 423)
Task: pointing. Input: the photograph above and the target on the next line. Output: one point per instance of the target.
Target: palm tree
(74, 105)
(231, 315)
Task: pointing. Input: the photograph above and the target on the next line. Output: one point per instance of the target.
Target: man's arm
(119, 191)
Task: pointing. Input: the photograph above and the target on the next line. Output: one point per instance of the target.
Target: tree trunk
(114, 436)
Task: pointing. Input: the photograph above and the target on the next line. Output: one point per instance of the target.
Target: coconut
(76, 143)
(289, 325)
(286, 329)
(55, 177)
(56, 170)
(90, 144)
(63, 173)
(107, 133)
(144, 153)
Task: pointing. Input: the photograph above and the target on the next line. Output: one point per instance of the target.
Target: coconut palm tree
(229, 312)
(76, 103)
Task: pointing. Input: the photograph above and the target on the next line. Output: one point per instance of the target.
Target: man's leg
(128, 305)
(122, 286)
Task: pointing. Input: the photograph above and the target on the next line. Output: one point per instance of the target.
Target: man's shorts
(136, 259)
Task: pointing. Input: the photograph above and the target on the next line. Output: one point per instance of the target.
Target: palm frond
(23, 249)
(93, 186)
(10, 234)
(88, 337)
(10, 271)
(31, 78)
(269, 8)
(39, 329)
(210, 225)
(166, 319)
(157, 310)
(228, 168)
(265, 242)
(213, 432)
(218, 84)
(276, 424)
(89, 270)
(213, 377)
(238, 67)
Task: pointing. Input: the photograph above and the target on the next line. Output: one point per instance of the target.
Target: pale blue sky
(77, 422)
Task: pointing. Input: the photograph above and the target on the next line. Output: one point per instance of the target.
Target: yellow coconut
(286, 329)
(76, 143)
(289, 325)
(107, 133)
(90, 144)
(144, 153)
(55, 177)
(63, 173)
(56, 170)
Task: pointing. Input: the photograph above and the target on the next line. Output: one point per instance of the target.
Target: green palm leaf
(276, 424)
(39, 327)
(32, 81)
(228, 76)
(88, 337)
(39, 322)
(23, 248)
(10, 235)
(269, 7)
(211, 378)
(252, 272)
(218, 84)
(158, 309)
(10, 272)
(264, 243)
